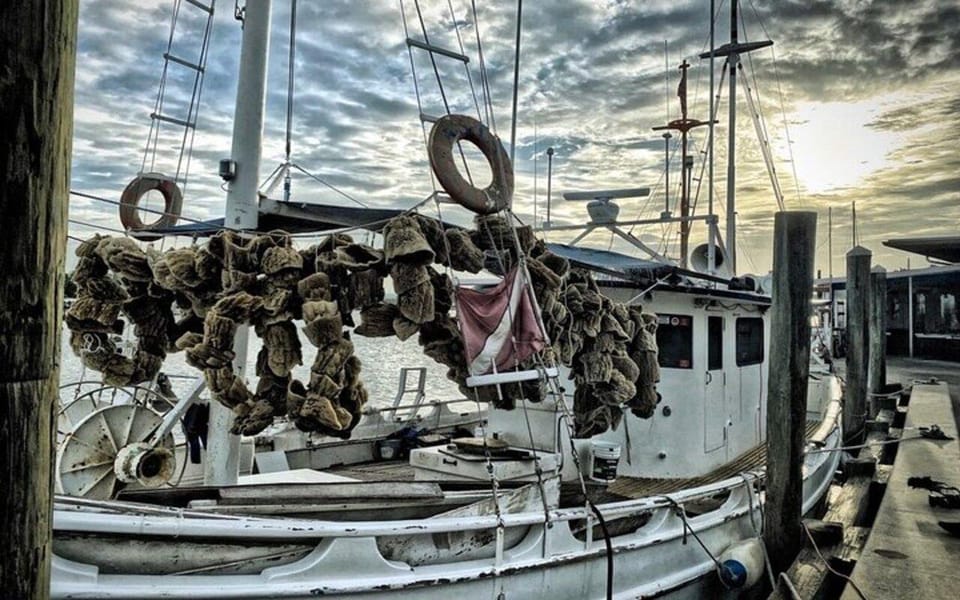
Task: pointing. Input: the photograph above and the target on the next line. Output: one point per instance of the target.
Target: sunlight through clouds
(833, 147)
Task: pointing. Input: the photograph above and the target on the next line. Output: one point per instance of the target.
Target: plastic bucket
(604, 458)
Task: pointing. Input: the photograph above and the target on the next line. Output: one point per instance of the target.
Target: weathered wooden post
(37, 51)
(877, 371)
(794, 240)
(858, 349)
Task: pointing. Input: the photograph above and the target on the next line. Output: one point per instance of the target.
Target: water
(382, 359)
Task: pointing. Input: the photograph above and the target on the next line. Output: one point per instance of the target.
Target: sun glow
(833, 147)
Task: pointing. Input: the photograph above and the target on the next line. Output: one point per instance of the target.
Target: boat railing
(180, 521)
(198, 524)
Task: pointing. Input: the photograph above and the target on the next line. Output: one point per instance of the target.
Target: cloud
(592, 86)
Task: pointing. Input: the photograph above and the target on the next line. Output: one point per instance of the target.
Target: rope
(783, 110)
(95, 226)
(251, 232)
(516, 84)
(494, 483)
(329, 185)
(484, 80)
(763, 138)
(826, 563)
(680, 512)
(466, 67)
(866, 445)
(290, 73)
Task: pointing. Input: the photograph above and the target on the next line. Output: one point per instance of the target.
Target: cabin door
(714, 406)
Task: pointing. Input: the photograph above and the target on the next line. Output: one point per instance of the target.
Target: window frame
(751, 358)
(688, 355)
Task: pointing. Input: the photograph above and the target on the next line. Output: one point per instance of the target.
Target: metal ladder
(405, 412)
(190, 26)
(423, 43)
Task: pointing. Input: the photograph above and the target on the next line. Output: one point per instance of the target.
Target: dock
(907, 554)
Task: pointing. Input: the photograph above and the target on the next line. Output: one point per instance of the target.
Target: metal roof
(946, 248)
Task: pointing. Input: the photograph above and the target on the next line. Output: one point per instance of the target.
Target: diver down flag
(499, 326)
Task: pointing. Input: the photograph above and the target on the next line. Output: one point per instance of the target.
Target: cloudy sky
(859, 99)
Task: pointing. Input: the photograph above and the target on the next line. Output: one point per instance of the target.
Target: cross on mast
(683, 125)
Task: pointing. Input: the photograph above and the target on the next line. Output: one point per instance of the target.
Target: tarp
(499, 325)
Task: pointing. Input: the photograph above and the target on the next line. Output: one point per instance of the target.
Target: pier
(876, 529)
(907, 553)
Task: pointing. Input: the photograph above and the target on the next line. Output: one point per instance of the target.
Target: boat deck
(624, 488)
(640, 487)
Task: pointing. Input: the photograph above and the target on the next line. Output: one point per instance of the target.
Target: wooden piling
(877, 370)
(793, 252)
(37, 51)
(858, 350)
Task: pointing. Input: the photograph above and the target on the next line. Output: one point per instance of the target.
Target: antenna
(549, 181)
(853, 210)
(534, 169)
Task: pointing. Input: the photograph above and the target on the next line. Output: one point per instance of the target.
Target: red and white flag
(500, 327)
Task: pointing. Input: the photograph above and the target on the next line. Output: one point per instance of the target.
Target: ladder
(420, 43)
(173, 120)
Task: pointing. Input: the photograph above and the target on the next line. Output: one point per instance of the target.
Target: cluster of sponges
(113, 277)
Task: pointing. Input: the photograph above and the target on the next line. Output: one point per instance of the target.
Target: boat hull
(558, 557)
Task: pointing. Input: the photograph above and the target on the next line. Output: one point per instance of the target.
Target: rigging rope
(783, 110)
(466, 66)
(290, 74)
(764, 142)
(484, 80)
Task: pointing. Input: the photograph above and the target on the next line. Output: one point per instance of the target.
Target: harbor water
(382, 359)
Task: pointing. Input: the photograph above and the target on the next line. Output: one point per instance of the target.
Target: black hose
(609, 544)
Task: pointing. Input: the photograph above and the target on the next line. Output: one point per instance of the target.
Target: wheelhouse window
(714, 343)
(749, 341)
(675, 341)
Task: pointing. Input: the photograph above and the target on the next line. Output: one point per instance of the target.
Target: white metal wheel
(87, 454)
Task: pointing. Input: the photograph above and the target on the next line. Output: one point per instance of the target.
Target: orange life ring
(130, 199)
(446, 132)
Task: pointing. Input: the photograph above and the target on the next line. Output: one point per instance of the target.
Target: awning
(946, 249)
(614, 263)
(295, 217)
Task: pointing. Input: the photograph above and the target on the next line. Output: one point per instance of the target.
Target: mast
(732, 51)
(731, 144)
(683, 125)
(242, 213)
(711, 233)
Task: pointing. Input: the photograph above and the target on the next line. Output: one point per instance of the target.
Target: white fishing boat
(618, 449)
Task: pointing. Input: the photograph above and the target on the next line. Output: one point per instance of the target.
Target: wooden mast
(38, 40)
(683, 125)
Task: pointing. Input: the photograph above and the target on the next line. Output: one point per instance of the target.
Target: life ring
(446, 132)
(135, 190)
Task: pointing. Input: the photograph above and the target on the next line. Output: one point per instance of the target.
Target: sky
(858, 99)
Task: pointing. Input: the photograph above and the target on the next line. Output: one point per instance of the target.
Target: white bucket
(604, 457)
